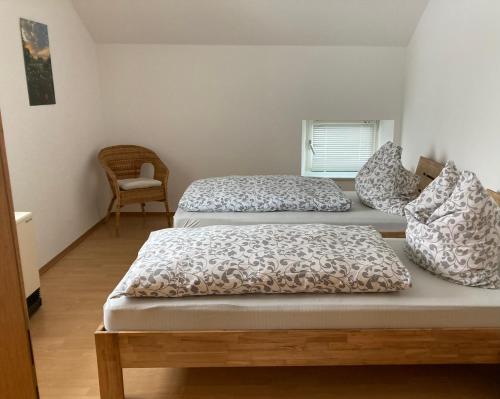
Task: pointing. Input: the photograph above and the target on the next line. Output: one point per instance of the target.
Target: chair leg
(110, 208)
(117, 219)
(168, 214)
(143, 208)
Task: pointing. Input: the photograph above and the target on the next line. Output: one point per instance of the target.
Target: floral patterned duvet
(265, 193)
(263, 259)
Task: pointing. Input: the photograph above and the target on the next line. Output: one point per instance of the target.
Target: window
(337, 149)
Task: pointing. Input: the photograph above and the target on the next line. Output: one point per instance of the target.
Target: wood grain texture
(69, 248)
(393, 234)
(146, 213)
(109, 366)
(73, 292)
(75, 289)
(17, 374)
(495, 195)
(80, 239)
(306, 347)
(428, 170)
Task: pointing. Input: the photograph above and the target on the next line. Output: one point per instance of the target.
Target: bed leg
(109, 366)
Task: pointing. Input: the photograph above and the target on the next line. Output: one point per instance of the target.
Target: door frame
(17, 376)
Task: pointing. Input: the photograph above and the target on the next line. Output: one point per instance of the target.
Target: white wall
(218, 110)
(452, 100)
(52, 149)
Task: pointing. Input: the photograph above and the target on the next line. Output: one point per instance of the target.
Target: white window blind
(340, 147)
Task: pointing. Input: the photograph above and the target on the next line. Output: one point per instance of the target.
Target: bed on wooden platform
(389, 225)
(433, 322)
(430, 303)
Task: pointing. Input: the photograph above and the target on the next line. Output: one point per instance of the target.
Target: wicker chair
(122, 162)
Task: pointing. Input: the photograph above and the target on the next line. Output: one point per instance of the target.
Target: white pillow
(459, 238)
(138, 182)
(384, 184)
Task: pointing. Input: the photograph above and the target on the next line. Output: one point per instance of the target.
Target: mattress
(358, 215)
(430, 303)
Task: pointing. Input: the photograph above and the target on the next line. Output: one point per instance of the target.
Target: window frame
(306, 158)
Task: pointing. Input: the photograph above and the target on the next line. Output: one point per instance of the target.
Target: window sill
(336, 175)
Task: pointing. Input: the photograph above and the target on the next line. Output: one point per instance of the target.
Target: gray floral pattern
(384, 184)
(265, 259)
(454, 231)
(264, 194)
(435, 194)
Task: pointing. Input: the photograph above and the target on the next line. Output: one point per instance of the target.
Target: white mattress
(430, 303)
(358, 215)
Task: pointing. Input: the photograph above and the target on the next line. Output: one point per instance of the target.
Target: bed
(431, 303)
(388, 225)
(435, 322)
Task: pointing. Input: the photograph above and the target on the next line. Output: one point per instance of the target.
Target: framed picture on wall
(37, 62)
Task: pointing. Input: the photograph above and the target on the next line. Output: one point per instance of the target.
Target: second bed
(387, 224)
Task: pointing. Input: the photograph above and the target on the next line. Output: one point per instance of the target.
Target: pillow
(138, 182)
(435, 194)
(460, 240)
(384, 184)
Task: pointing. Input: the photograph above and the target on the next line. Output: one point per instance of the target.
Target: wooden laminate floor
(74, 290)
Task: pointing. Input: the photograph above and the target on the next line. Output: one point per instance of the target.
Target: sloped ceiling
(252, 22)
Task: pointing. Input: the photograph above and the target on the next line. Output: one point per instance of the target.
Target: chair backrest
(126, 160)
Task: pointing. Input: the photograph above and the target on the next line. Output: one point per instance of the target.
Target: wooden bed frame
(428, 170)
(139, 349)
(117, 350)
